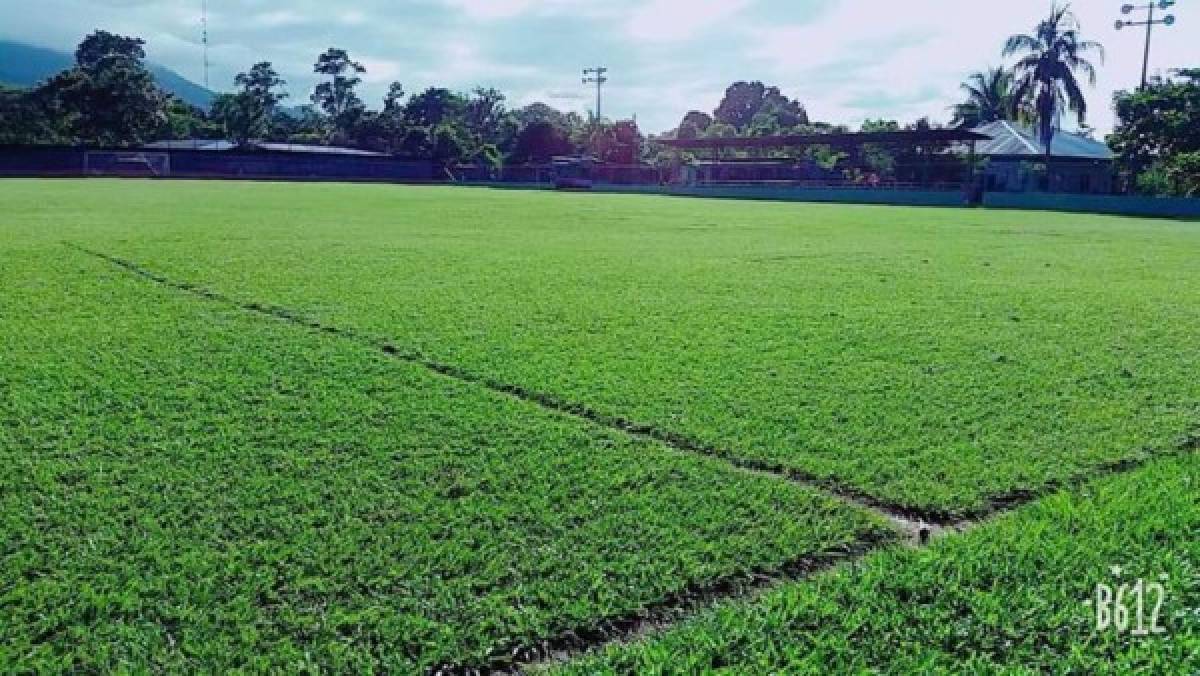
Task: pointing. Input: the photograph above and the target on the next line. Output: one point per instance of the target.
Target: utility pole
(597, 77)
(204, 38)
(1149, 23)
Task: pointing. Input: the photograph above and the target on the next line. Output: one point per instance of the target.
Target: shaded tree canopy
(1160, 120)
(108, 98)
(434, 106)
(250, 113)
(102, 46)
(541, 140)
(694, 124)
(1158, 131)
(747, 103)
(337, 96)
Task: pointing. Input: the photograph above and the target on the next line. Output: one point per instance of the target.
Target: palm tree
(989, 98)
(1046, 76)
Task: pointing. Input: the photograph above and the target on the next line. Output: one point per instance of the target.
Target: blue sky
(847, 61)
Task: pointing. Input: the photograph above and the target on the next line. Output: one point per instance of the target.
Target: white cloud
(677, 20)
(380, 70)
(491, 10)
(352, 17)
(278, 19)
(462, 61)
(902, 50)
(846, 59)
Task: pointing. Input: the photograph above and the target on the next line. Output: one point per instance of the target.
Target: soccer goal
(122, 163)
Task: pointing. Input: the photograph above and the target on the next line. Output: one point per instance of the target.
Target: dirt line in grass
(919, 524)
(660, 617)
(517, 658)
(915, 523)
(921, 527)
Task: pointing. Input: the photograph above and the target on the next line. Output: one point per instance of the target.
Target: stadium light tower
(1149, 23)
(597, 77)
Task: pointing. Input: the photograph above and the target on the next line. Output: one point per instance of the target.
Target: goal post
(133, 163)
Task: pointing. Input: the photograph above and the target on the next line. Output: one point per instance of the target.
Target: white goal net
(126, 163)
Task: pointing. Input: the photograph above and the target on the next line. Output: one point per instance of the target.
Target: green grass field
(193, 478)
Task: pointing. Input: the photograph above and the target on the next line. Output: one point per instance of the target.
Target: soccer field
(358, 427)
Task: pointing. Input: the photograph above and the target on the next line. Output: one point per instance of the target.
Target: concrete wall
(56, 161)
(1174, 207)
(928, 198)
(1002, 175)
(921, 198)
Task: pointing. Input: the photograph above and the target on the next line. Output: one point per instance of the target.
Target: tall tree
(989, 98)
(337, 96)
(263, 84)
(250, 113)
(393, 101)
(484, 114)
(109, 98)
(1047, 75)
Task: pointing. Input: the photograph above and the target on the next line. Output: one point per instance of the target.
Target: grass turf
(1005, 598)
(934, 359)
(185, 486)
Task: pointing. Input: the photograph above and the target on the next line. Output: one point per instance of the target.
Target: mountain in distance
(23, 65)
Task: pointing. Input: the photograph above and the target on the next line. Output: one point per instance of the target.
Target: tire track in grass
(920, 526)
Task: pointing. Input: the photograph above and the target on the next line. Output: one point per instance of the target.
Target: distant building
(191, 144)
(1015, 157)
(263, 146)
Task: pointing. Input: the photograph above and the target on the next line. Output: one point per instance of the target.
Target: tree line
(110, 99)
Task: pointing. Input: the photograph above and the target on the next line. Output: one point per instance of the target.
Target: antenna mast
(204, 37)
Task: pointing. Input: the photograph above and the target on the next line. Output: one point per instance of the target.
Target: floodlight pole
(1146, 54)
(1149, 23)
(597, 77)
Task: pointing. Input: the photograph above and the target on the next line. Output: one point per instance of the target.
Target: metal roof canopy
(848, 139)
(1012, 140)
